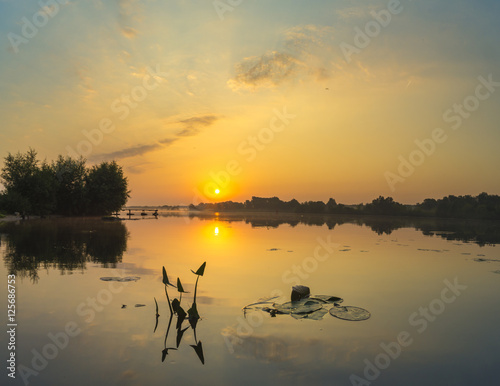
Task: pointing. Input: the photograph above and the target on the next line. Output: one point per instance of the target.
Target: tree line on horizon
(66, 186)
(482, 206)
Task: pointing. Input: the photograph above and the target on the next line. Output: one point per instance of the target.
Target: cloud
(193, 125)
(129, 14)
(305, 38)
(167, 141)
(84, 82)
(136, 150)
(139, 168)
(270, 69)
(356, 12)
(129, 32)
(304, 51)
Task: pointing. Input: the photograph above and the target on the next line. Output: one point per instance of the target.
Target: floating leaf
(200, 270)
(199, 351)
(272, 311)
(140, 305)
(165, 278)
(126, 278)
(303, 306)
(327, 298)
(261, 301)
(179, 286)
(179, 335)
(350, 313)
(315, 315)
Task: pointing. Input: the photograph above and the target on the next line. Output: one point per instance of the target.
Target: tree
(17, 169)
(387, 206)
(19, 176)
(331, 206)
(70, 177)
(66, 186)
(106, 188)
(43, 191)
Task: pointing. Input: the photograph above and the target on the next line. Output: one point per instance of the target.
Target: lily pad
(350, 313)
(303, 306)
(315, 315)
(327, 299)
(126, 278)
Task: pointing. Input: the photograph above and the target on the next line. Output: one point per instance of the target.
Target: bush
(66, 186)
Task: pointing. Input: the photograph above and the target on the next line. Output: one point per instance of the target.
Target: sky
(204, 101)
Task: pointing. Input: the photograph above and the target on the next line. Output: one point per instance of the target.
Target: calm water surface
(436, 286)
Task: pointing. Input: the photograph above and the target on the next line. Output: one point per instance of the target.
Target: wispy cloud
(356, 12)
(193, 125)
(139, 167)
(303, 52)
(129, 14)
(129, 32)
(269, 69)
(135, 150)
(84, 82)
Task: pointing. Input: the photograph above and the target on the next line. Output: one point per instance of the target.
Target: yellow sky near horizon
(184, 96)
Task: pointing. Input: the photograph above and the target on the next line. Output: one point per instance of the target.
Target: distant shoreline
(261, 213)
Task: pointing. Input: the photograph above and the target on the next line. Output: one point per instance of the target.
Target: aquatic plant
(176, 309)
(306, 306)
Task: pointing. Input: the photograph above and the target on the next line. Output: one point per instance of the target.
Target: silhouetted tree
(65, 187)
(331, 205)
(70, 177)
(382, 205)
(106, 188)
(483, 206)
(22, 177)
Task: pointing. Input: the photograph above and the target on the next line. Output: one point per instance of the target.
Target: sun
(217, 191)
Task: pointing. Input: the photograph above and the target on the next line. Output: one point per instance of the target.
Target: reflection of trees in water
(481, 232)
(476, 231)
(65, 244)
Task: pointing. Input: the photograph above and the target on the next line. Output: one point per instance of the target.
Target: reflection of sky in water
(398, 274)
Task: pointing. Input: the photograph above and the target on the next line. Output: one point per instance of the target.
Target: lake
(432, 288)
